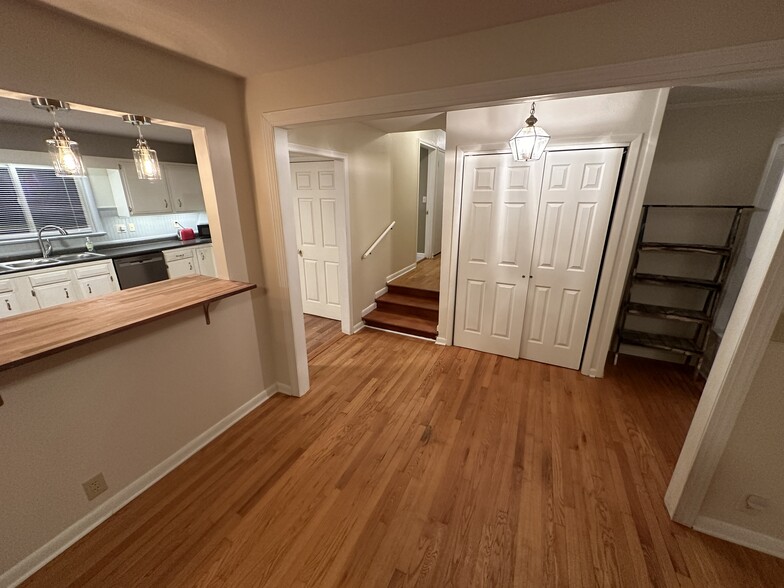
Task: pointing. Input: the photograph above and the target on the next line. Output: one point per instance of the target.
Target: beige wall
(713, 153)
(612, 33)
(124, 404)
(404, 158)
(370, 200)
(752, 459)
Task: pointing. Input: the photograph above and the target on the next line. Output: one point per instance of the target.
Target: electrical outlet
(120, 228)
(131, 227)
(95, 486)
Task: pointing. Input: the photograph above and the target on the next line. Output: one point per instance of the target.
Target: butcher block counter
(43, 332)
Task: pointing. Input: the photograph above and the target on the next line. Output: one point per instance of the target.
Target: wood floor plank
(412, 464)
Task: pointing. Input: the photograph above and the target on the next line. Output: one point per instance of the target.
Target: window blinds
(38, 198)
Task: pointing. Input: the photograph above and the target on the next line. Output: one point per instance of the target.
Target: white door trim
(344, 236)
(754, 317)
(432, 151)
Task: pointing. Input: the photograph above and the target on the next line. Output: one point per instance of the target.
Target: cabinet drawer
(98, 269)
(49, 278)
(178, 254)
(6, 286)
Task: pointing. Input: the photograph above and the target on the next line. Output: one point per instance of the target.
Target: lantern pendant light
(528, 144)
(66, 159)
(146, 159)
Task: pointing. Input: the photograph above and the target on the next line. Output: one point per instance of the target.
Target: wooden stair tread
(413, 325)
(685, 248)
(412, 291)
(680, 345)
(676, 281)
(667, 312)
(407, 300)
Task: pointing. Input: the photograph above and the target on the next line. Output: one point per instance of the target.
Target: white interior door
(317, 194)
(574, 214)
(498, 220)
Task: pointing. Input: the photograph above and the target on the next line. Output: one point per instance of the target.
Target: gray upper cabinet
(144, 196)
(184, 187)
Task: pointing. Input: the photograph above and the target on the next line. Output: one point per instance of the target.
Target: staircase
(405, 309)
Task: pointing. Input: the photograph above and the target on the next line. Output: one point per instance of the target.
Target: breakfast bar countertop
(46, 331)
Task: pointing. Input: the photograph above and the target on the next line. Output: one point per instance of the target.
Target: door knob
(299, 252)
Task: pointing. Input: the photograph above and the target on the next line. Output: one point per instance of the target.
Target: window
(33, 196)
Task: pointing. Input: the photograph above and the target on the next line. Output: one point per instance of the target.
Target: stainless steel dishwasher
(138, 270)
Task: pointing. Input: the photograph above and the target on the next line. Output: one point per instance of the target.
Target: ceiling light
(146, 159)
(66, 159)
(528, 143)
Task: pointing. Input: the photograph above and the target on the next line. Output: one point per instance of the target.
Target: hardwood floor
(414, 464)
(426, 276)
(320, 333)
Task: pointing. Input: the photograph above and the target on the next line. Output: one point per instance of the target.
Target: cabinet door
(181, 267)
(144, 196)
(184, 187)
(54, 294)
(9, 304)
(206, 261)
(97, 286)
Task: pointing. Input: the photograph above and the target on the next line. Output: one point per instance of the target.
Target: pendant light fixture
(528, 143)
(146, 159)
(66, 159)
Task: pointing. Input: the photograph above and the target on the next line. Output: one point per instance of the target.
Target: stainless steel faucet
(46, 249)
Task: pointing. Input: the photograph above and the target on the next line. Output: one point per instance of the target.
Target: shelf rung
(686, 248)
(661, 280)
(668, 312)
(680, 345)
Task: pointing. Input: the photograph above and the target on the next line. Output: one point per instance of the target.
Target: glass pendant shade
(66, 159)
(146, 160)
(529, 143)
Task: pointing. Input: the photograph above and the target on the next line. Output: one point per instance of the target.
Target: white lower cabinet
(180, 263)
(52, 288)
(32, 290)
(206, 261)
(96, 280)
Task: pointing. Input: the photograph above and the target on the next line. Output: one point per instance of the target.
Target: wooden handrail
(377, 241)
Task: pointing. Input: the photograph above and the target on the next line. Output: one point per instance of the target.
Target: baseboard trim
(358, 327)
(399, 273)
(44, 554)
(400, 333)
(284, 389)
(440, 340)
(368, 309)
(740, 535)
(380, 293)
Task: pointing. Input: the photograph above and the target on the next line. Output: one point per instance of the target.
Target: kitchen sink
(79, 256)
(30, 263)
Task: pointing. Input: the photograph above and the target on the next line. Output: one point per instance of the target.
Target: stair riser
(398, 329)
(405, 310)
(406, 291)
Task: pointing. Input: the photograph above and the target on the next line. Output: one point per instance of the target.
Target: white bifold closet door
(574, 214)
(531, 243)
(317, 191)
(498, 221)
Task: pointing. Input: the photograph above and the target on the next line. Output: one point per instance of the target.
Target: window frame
(86, 198)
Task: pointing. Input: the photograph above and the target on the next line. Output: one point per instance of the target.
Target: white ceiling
(249, 37)
(402, 124)
(22, 112)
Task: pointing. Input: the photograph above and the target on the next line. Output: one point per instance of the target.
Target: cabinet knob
(179, 202)
(165, 203)
(8, 304)
(89, 290)
(67, 294)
